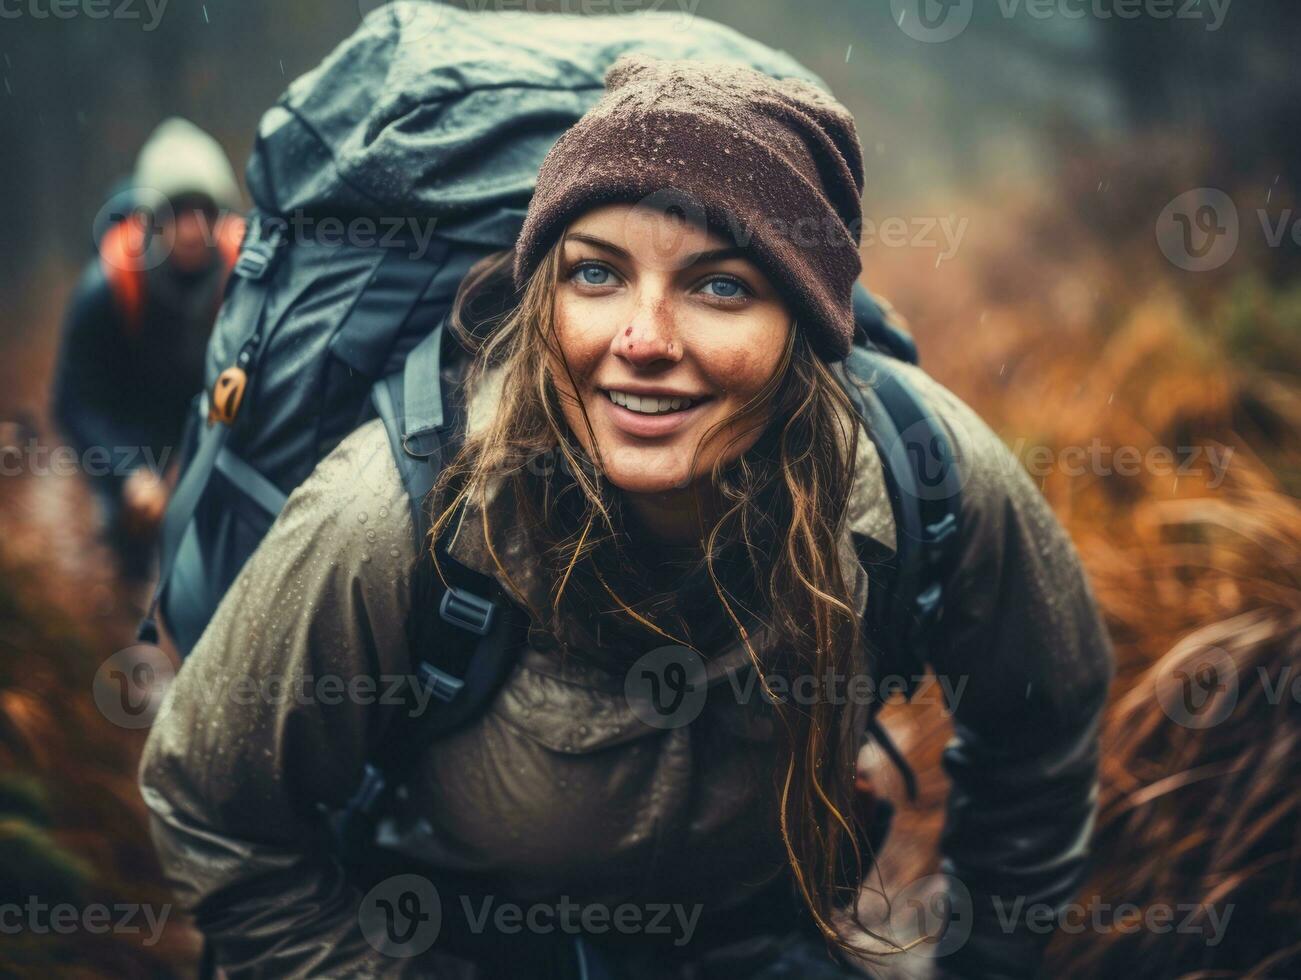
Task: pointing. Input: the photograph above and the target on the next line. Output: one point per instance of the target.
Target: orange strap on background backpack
(122, 259)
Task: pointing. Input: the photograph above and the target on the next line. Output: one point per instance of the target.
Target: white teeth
(647, 404)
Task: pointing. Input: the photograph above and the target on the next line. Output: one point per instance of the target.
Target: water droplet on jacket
(365, 556)
(361, 518)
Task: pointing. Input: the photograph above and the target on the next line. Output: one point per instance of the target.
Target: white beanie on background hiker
(179, 158)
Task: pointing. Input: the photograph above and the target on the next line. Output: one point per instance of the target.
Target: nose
(651, 335)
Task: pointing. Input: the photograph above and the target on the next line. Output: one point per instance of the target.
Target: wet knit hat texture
(774, 165)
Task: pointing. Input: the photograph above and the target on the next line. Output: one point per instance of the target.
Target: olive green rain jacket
(559, 788)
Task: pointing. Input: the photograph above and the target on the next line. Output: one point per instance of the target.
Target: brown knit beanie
(773, 165)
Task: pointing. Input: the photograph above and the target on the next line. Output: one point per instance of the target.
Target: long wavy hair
(784, 511)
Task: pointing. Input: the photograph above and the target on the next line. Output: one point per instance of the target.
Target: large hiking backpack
(442, 117)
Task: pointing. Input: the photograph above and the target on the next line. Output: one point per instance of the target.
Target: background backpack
(442, 117)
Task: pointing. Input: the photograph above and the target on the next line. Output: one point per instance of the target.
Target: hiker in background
(137, 328)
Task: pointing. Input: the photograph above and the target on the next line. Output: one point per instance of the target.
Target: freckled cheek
(585, 331)
(740, 357)
(738, 370)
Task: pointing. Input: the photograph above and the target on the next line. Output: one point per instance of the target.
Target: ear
(627, 67)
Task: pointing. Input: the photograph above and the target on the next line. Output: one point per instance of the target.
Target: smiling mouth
(651, 404)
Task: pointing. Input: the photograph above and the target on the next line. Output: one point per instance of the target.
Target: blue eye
(600, 271)
(729, 288)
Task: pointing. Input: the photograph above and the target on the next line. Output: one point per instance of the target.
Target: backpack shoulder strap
(923, 485)
(464, 633)
(120, 254)
(924, 488)
(461, 628)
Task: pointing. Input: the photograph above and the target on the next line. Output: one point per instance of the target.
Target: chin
(640, 471)
(646, 483)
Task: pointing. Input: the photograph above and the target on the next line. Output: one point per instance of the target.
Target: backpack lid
(435, 112)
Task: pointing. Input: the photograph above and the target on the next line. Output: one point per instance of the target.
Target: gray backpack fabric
(422, 134)
(434, 112)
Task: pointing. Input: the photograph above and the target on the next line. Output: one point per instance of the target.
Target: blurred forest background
(1052, 147)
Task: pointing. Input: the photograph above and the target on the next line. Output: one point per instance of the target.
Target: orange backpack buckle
(227, 394)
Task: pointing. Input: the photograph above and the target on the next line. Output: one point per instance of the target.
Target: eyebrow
(695, 258)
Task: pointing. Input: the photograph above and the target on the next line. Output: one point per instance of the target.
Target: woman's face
(666, 331)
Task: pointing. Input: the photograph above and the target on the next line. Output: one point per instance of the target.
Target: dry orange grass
(1064, 329)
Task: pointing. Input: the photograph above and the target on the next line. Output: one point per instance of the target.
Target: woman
(659, 455)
